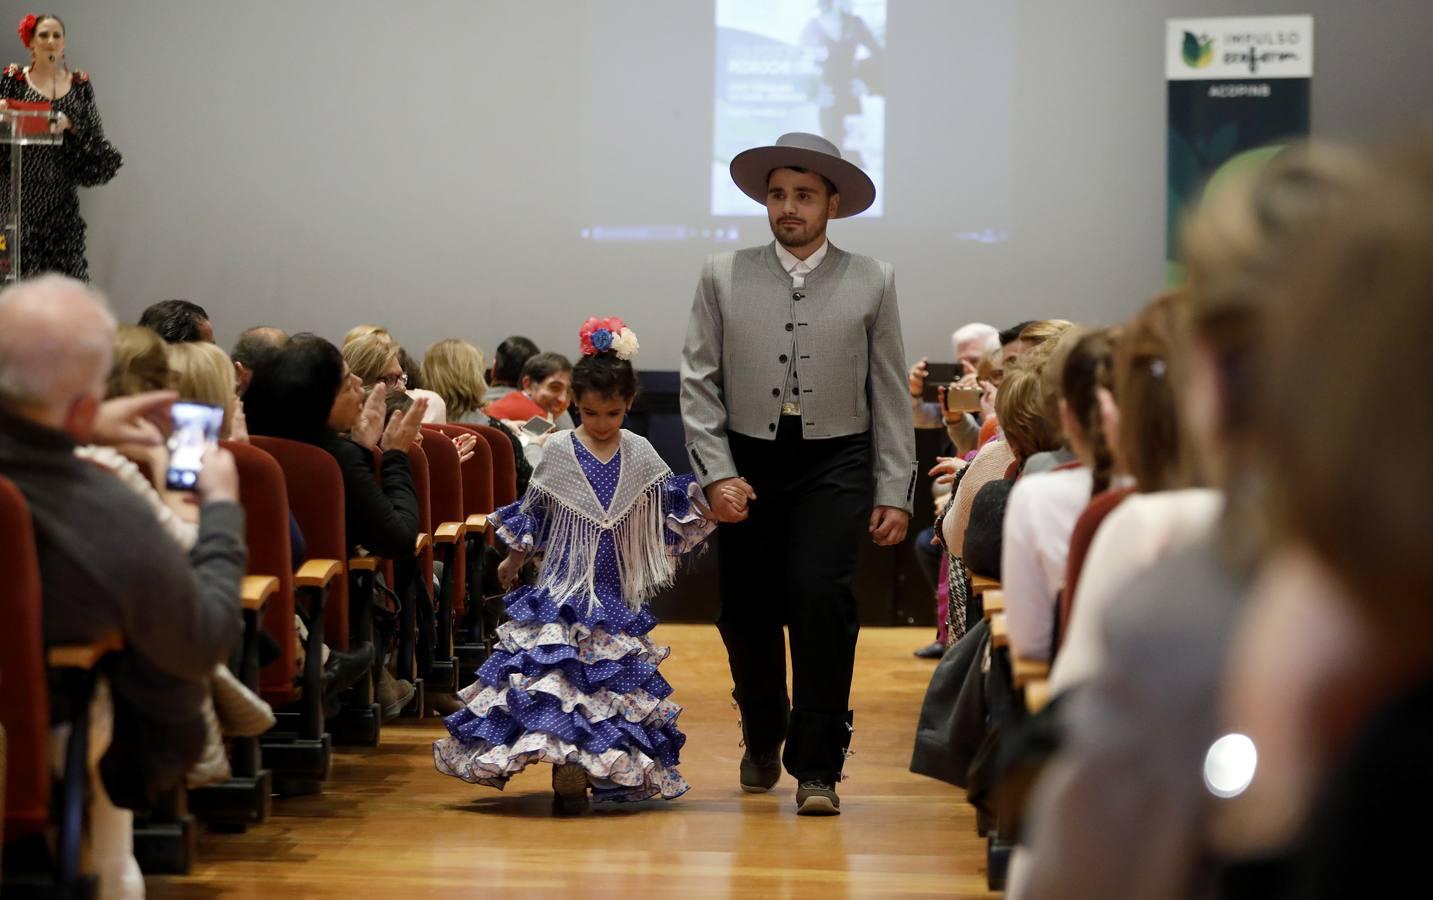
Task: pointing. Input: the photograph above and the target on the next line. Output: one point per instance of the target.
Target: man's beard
(801, 238)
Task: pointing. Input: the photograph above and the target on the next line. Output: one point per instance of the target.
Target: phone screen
(196, 429)
(537, 426)
(938, 375)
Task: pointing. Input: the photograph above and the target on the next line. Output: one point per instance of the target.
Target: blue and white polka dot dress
(571, 682)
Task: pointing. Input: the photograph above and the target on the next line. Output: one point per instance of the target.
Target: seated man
(106, 563)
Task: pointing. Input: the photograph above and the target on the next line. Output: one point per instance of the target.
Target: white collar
(789, 262)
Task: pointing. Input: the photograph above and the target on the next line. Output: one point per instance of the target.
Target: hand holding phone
(537, 426)
(195, 432)
(937, 376)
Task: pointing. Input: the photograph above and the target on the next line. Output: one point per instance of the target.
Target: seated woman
(1042, 509)
(1330, 678)
(453, 369)
(374, 355)
(1164, 515)
(306, 393)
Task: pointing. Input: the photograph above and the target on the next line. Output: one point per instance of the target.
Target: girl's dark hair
(605, 375)
(292, 392)
(1088, 367)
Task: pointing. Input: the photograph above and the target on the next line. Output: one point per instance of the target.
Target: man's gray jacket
(841, 332)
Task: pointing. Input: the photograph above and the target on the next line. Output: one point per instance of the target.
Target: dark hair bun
(604, 374)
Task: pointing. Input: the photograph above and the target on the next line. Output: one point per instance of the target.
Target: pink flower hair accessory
(611, 334)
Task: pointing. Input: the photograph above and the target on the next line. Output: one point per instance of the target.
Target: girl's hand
(509, 569)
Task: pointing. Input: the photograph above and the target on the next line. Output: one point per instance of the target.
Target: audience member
(254, 346)
(56, 345)
(177, 321)
(1119, 810)
(1329, 676)
(141, 363)
(970, 344)
(1041, 513)
(454, 369)
(508, 360)
(204, 373)
(306, 393)
(546, 380)
(1167, 513)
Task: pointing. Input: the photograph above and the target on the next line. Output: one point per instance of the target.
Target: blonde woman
(374, 358)
(453, 369)
(204, 373)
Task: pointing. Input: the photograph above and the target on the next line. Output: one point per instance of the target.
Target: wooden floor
(388, 826)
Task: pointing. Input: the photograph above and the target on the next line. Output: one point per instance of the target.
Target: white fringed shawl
(573, 520)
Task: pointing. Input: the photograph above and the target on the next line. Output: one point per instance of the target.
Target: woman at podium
(52, 234)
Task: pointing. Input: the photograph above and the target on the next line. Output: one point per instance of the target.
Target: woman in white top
(1162, 517)
(1043, 508)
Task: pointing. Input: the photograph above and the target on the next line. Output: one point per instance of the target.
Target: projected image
(798, 65)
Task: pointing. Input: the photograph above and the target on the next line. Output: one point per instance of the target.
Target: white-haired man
(106, 563)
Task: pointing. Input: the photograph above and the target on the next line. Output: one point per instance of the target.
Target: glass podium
(20, 127)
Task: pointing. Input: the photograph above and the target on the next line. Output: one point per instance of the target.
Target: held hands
(403, 429)
(510, 568)
(888, 525)
(728, 499)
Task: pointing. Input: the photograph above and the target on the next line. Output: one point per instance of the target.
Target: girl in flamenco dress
(573, 681)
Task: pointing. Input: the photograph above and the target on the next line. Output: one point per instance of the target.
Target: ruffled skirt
(561, 690)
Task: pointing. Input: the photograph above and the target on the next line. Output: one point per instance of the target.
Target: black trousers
(792, 562)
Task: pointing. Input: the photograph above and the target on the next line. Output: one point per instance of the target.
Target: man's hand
(888, 525)
(123, 419)
(728, 499)
(219, 477)
(403, 429)
(916, 377)
(369, 427)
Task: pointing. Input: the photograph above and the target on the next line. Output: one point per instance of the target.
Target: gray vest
(840, 333)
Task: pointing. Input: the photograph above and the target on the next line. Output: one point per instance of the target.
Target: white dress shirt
(798, 269)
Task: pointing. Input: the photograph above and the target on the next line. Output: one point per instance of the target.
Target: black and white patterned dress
(53, 234)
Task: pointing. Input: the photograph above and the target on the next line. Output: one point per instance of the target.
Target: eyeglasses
(394, 381)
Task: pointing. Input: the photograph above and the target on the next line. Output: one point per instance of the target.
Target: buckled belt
(791, 408)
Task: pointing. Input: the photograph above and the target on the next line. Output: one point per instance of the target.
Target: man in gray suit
(799, 427)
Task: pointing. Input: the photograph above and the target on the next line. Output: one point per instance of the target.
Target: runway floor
(388, 826)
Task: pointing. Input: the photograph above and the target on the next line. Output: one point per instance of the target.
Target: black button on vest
(771, 427)
(789, 326)
(798, 296)
(781, 358)
(776, 392)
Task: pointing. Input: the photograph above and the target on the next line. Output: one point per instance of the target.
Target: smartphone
(196, 429)
(537, 426)
(963, 399)
(938, 375)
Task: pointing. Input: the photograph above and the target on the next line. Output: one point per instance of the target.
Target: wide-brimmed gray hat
(798, 149)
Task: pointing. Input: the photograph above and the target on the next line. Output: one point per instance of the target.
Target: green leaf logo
(1198, 50)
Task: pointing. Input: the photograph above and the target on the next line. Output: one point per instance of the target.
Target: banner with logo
(1238, 92)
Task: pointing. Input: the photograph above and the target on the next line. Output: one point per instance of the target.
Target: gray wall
(314, 165)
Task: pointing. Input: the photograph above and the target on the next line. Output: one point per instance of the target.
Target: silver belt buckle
(791, 408)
